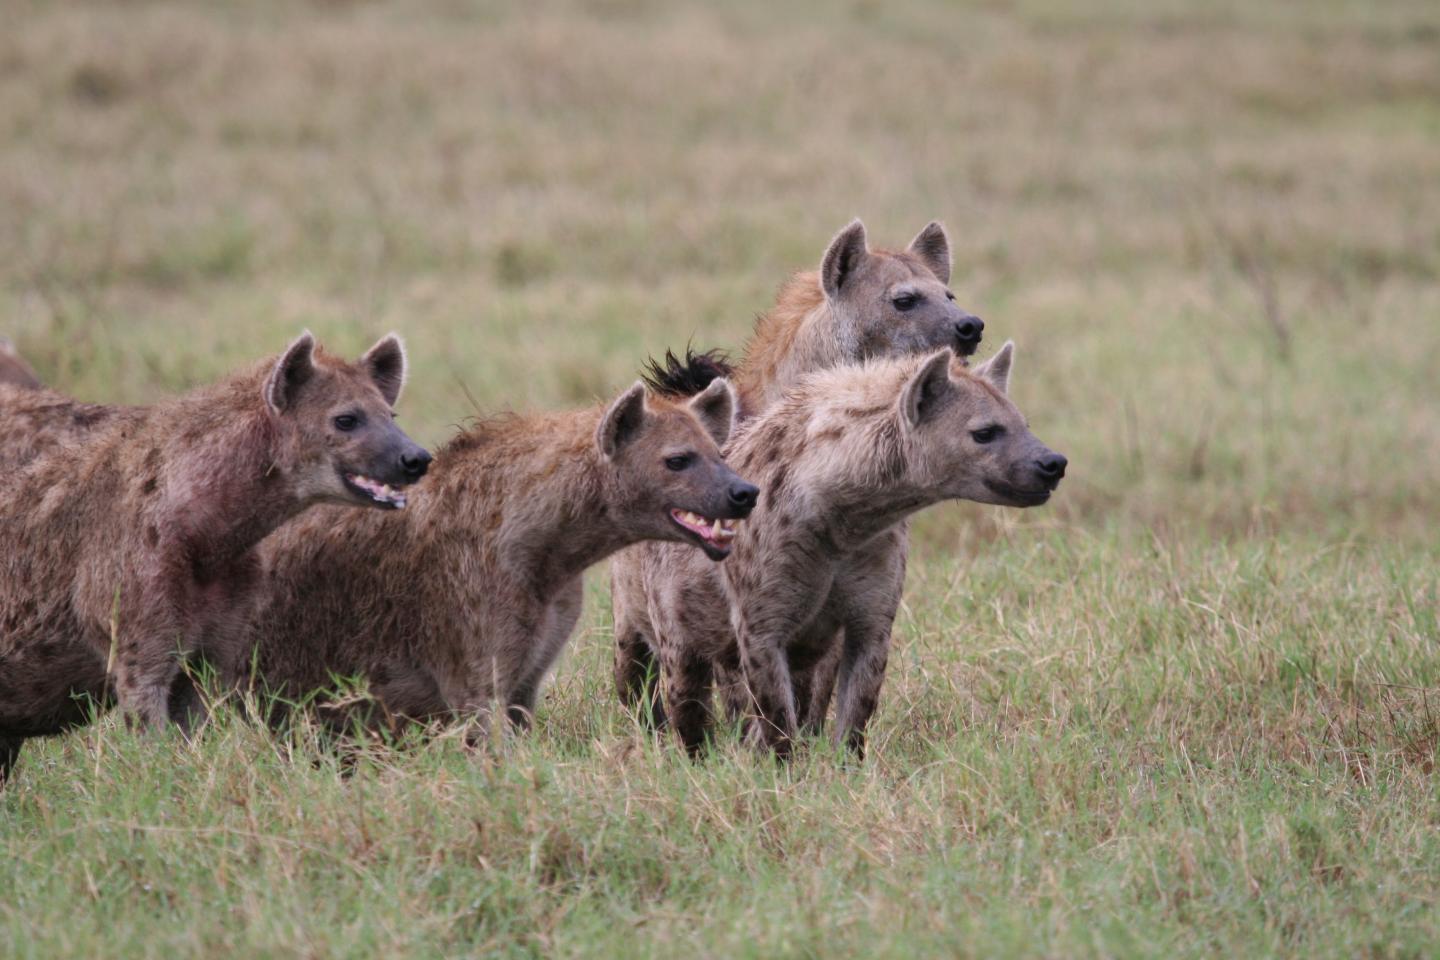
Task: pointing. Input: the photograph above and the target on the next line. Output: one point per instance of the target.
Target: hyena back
(843, 458)
(861, 304)
(466, 599)
(134, 551)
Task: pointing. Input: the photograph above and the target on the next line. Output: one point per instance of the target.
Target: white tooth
(715, 530)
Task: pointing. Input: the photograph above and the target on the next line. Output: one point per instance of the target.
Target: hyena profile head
(889, 304)
(336, 425)
(673, 482)
(967, 440)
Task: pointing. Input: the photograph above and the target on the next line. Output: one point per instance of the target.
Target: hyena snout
(414, 463)
(1051, 467)
(968, 331)
(743, 497)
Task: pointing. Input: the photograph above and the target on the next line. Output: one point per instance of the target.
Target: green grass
(1187, 709)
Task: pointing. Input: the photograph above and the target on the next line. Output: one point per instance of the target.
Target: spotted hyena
(13, 368)
(132, 549)
(861, 304)
(466, 599)
(843, 458)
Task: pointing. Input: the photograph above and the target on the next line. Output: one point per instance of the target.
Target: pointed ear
(716, 407)
(996, 370)
(295, 366)
(932, 246)
(385, 362)
(928, 384)
(622, 422)
(842, 258)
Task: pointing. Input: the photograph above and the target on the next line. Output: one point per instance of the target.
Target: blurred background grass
(1214, 229)
(1184, 709)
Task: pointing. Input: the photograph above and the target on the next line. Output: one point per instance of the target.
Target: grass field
(1188, 709)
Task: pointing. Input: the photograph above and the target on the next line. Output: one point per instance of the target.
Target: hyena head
(336, 420)
(889, 304)
(967, 440)
(672, 481)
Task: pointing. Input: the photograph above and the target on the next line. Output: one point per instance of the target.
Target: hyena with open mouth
(862, 304)
(466, 599)
(133, 550)
(843, 458)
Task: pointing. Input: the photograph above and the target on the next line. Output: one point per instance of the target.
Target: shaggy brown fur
(860, 304)
(133, 544)
(13, 368)
(34, 421)
(843, 458)
(467, 598)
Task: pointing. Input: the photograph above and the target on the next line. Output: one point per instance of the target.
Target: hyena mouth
(715, 533)
(381, 493)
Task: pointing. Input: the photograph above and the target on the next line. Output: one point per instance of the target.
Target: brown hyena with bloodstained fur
(467, 598)
(143, 530)
(861, 304)
(844, 458)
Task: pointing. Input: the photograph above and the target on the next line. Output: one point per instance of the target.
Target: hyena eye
(905, 301)
(346, 422)
(986, 434)
(678, 462)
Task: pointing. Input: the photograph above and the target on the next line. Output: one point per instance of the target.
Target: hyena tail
(674, 377)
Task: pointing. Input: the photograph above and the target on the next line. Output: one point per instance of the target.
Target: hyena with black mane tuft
(843, 458)
(132, 548)
(465, 600)
(861, 304)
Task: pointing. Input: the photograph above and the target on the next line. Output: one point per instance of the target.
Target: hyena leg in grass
(689, 688)
(555, 629)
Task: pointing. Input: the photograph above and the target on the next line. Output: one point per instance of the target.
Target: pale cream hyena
(843, 458)
(861, 304)
(466, 600)
(141, 531)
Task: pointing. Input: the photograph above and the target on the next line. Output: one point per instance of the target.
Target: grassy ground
(1187, 709)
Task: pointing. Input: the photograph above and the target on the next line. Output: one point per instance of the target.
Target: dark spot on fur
(88, 416)
(152, 536)
(148, 487)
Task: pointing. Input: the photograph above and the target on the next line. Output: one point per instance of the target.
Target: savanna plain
(1189, 708)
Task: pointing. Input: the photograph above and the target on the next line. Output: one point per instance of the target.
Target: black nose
(969, 329)
(743, 496)
(1052, 467)
(415, 464)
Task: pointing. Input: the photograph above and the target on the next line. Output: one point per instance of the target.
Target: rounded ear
(842, 258)
(996, 370)
(385, 362)
(932, 246)
(928, 384)
(622, 422)
(716, 407)
(295, 366)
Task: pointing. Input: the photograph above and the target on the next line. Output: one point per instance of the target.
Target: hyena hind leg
(637, 677)
(9, 755)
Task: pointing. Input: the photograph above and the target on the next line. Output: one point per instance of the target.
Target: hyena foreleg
(556, 627)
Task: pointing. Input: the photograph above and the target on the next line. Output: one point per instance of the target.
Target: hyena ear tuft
(385, 362)
(932, 246)
(996, 370)
(294, 368)
(927, 385)
(716, 408)
(842, 258)
(623, 421)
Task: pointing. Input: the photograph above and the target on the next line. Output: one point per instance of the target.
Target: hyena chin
(136, 554)
(844, 459)
(466, 599)
(861, 304)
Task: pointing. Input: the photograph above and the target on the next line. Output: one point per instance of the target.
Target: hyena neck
(235, 497)
(800, 334)
(544, 510)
